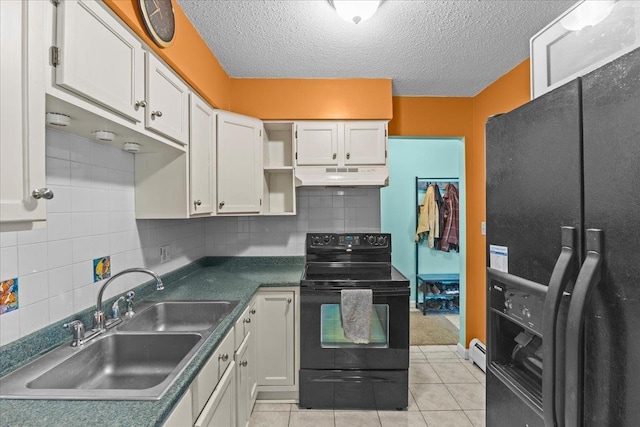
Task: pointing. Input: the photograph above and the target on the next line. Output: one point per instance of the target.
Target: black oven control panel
(359, 240)
(518, 305)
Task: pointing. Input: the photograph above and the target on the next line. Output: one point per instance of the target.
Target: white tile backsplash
(91, 215)
(319, 210)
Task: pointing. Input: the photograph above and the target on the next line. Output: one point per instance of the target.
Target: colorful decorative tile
(101, 268)
(8, 295)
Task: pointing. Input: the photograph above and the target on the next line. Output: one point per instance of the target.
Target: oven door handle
(350, 379)
(338, 289)
(553, 344)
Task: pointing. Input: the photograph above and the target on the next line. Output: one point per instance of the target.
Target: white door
(22, 110)
(365, 143)
(220, 409)
(317, 143)
(202, 157)
(239, 164)
(167, 110)
(99, 59)
(275, 338)
(242, 384)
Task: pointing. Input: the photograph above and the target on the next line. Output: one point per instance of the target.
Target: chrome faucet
(98, 316)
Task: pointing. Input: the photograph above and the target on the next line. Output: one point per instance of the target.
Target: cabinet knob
(253, 311)
(42, 193)
(289, 300)
(348, 156)
(220, 205)
(334, 156)
(244, 363)
(156, 114)
(224, 357)
(197, 203)
(142, 104)
(247, 320)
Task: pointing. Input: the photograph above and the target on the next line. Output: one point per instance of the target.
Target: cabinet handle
(220, 205)
(253, 311)
(244, 363)
(288, 300)
(197, 203)
(156, 114)
(247, 320)
(142, 104)
(224, 357)
(334, 156)
(42, 193)
(348, 156)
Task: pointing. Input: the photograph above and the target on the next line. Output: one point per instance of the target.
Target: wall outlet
(483, 228)
(165, 253)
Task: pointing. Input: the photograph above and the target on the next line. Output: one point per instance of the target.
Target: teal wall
(426, 158)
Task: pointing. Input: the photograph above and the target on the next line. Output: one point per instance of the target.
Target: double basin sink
(138, 360)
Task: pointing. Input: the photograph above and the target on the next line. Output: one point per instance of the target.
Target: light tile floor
(444, 391)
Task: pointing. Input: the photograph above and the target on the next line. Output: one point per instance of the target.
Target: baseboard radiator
(478, 354)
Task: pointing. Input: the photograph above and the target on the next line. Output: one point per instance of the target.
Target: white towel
(356, 307)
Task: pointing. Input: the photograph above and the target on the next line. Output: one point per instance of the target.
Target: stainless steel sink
(179, 316)
(138, 360)
(116, 361)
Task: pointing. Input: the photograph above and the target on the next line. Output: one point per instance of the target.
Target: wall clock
(159, 20)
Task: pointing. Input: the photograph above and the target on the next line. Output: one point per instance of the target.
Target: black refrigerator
(563, 255)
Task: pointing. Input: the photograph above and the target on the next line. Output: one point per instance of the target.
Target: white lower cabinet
(220, 410)
(246, 372)
(181, 414)
(275, 338)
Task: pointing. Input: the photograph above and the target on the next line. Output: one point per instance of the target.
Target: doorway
(430, 158)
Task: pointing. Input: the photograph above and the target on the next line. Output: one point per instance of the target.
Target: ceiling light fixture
(588, 13)
(356, 11)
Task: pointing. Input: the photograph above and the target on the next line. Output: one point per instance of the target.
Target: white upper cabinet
(99, 59)
(202, 157)
(341, 143)
(22, 110)
(317, 143)
(239, 164)
(365, 143)
(167, 106)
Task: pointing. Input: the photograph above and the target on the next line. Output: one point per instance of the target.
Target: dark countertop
(230, 278)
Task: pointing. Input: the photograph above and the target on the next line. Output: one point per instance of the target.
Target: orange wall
(503, 95)
(189, 55)
(466, 117)
(274, 99)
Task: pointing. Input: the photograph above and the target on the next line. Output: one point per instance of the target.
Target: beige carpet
(431, 329)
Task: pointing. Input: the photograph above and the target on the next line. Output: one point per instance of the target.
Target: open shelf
(279, 195)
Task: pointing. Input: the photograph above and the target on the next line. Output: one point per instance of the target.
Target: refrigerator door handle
(587, 280)
(553, 342)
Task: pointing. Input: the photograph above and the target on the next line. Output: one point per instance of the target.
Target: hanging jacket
(450, 234)
(428, 222)
(440, 205)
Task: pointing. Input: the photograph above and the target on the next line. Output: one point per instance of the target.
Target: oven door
(322, 341)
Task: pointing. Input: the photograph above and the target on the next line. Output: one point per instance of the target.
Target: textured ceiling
(428, 48)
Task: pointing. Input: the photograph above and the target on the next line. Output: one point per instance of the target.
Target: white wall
(92, 215)
(319, 210)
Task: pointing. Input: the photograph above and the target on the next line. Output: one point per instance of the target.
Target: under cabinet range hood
(322, 176)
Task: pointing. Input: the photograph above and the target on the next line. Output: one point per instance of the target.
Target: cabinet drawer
(213, 370)
(245, 323)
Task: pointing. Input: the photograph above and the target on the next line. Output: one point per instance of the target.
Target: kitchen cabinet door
(317, 143)
(99, 59)
(239, 164)
(167, 109)
(22, 112)
(275, 338)
(181, 414)
(220, 410)
(365, 143)
(202, 157)
(243, 391)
